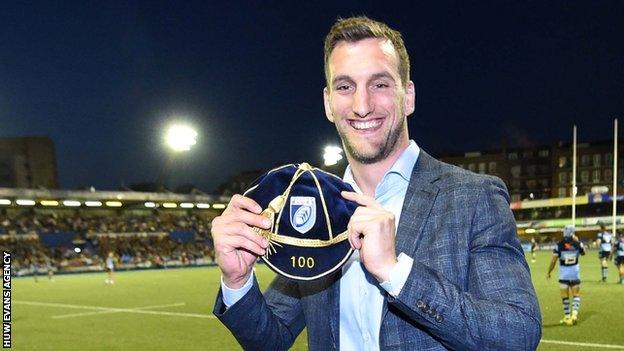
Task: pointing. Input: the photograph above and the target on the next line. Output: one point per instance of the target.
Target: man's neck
(368, 176)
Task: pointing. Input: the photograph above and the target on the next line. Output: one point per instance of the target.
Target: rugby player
(604, 241)
(567, 252)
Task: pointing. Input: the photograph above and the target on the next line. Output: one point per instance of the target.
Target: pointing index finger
(361, 199)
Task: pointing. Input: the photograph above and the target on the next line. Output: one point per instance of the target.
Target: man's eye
(381, 85)
(342, 87)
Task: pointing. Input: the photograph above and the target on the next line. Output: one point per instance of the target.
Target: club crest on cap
(309, 218)
(302, 213)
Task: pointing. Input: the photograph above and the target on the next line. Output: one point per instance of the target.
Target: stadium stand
(75, 241)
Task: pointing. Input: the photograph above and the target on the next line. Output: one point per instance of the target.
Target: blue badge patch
(302, 213)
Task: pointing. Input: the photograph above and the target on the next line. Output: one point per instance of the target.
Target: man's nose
(362, 105)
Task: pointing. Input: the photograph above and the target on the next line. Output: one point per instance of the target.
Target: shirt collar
(403, 166)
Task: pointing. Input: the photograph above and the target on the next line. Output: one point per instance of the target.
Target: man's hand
(372, 231)
(236, 245)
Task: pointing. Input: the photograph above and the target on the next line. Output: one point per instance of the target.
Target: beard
(380, 153)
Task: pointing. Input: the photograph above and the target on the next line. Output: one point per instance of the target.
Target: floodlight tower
(331, 156)
(178, 138)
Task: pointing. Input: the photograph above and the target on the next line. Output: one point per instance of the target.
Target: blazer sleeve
(269, 322)
(497, 309)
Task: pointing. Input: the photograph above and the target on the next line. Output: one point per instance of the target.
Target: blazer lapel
(419, 199)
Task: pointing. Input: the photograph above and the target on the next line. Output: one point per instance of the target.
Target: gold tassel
(274, 206)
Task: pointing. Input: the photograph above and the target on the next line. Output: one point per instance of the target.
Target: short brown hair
(354, 29)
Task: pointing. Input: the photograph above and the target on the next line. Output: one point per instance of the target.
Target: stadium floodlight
(169, 205)
(49, 203)
(187, 205)
(202, 205)
(150, 204)
(218, 206)
(93, 203)
(71, 203)
(77, 250)
(25, 202)
(180, 137)
(332, 155)
(113, 203)
(5, 202)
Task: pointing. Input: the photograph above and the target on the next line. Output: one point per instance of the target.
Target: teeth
(365, 125)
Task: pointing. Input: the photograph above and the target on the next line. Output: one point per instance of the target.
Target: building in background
(594, 168)
(28, 162)
(546, 171)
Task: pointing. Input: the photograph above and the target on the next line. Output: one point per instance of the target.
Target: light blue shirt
(605, 241)
(361, 296)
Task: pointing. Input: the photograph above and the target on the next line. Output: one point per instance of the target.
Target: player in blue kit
(604, 241)
(567, 252)
(619, 256)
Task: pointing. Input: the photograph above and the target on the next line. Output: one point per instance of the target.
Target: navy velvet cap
(308, 237)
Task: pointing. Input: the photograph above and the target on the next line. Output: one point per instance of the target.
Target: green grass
(37, 327)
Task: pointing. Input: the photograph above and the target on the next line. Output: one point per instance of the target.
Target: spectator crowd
(137, 241)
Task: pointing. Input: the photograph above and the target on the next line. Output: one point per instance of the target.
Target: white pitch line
(604, 346)
(114, 311)
(141, 310)
(129, 310)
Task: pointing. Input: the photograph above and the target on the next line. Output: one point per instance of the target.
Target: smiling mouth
(366, 125)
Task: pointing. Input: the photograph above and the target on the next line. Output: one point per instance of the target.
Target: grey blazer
(469, 287)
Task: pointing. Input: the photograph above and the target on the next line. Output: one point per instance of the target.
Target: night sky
(103, 78)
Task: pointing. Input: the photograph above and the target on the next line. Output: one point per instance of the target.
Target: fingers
(236, 244)
(243, 242)
(245, 210)
(362, 200)
(252, 219)
(233, 229)
(368, 220)
(244, 203)
(222, 228)
(355, 230)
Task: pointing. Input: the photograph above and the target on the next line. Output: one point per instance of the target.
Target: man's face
(366, 99)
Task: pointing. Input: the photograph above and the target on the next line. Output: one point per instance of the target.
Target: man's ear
(410, 98)
(328, 112)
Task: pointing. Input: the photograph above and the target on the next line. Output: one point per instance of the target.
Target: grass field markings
(100, 308)
(115, 311)
(586, 344)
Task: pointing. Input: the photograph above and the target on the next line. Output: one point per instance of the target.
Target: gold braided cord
(300, 242)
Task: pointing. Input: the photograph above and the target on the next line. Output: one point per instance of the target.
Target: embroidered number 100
(302, 262)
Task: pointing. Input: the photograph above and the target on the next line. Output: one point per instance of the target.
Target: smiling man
(437, 264)
(370, 121)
